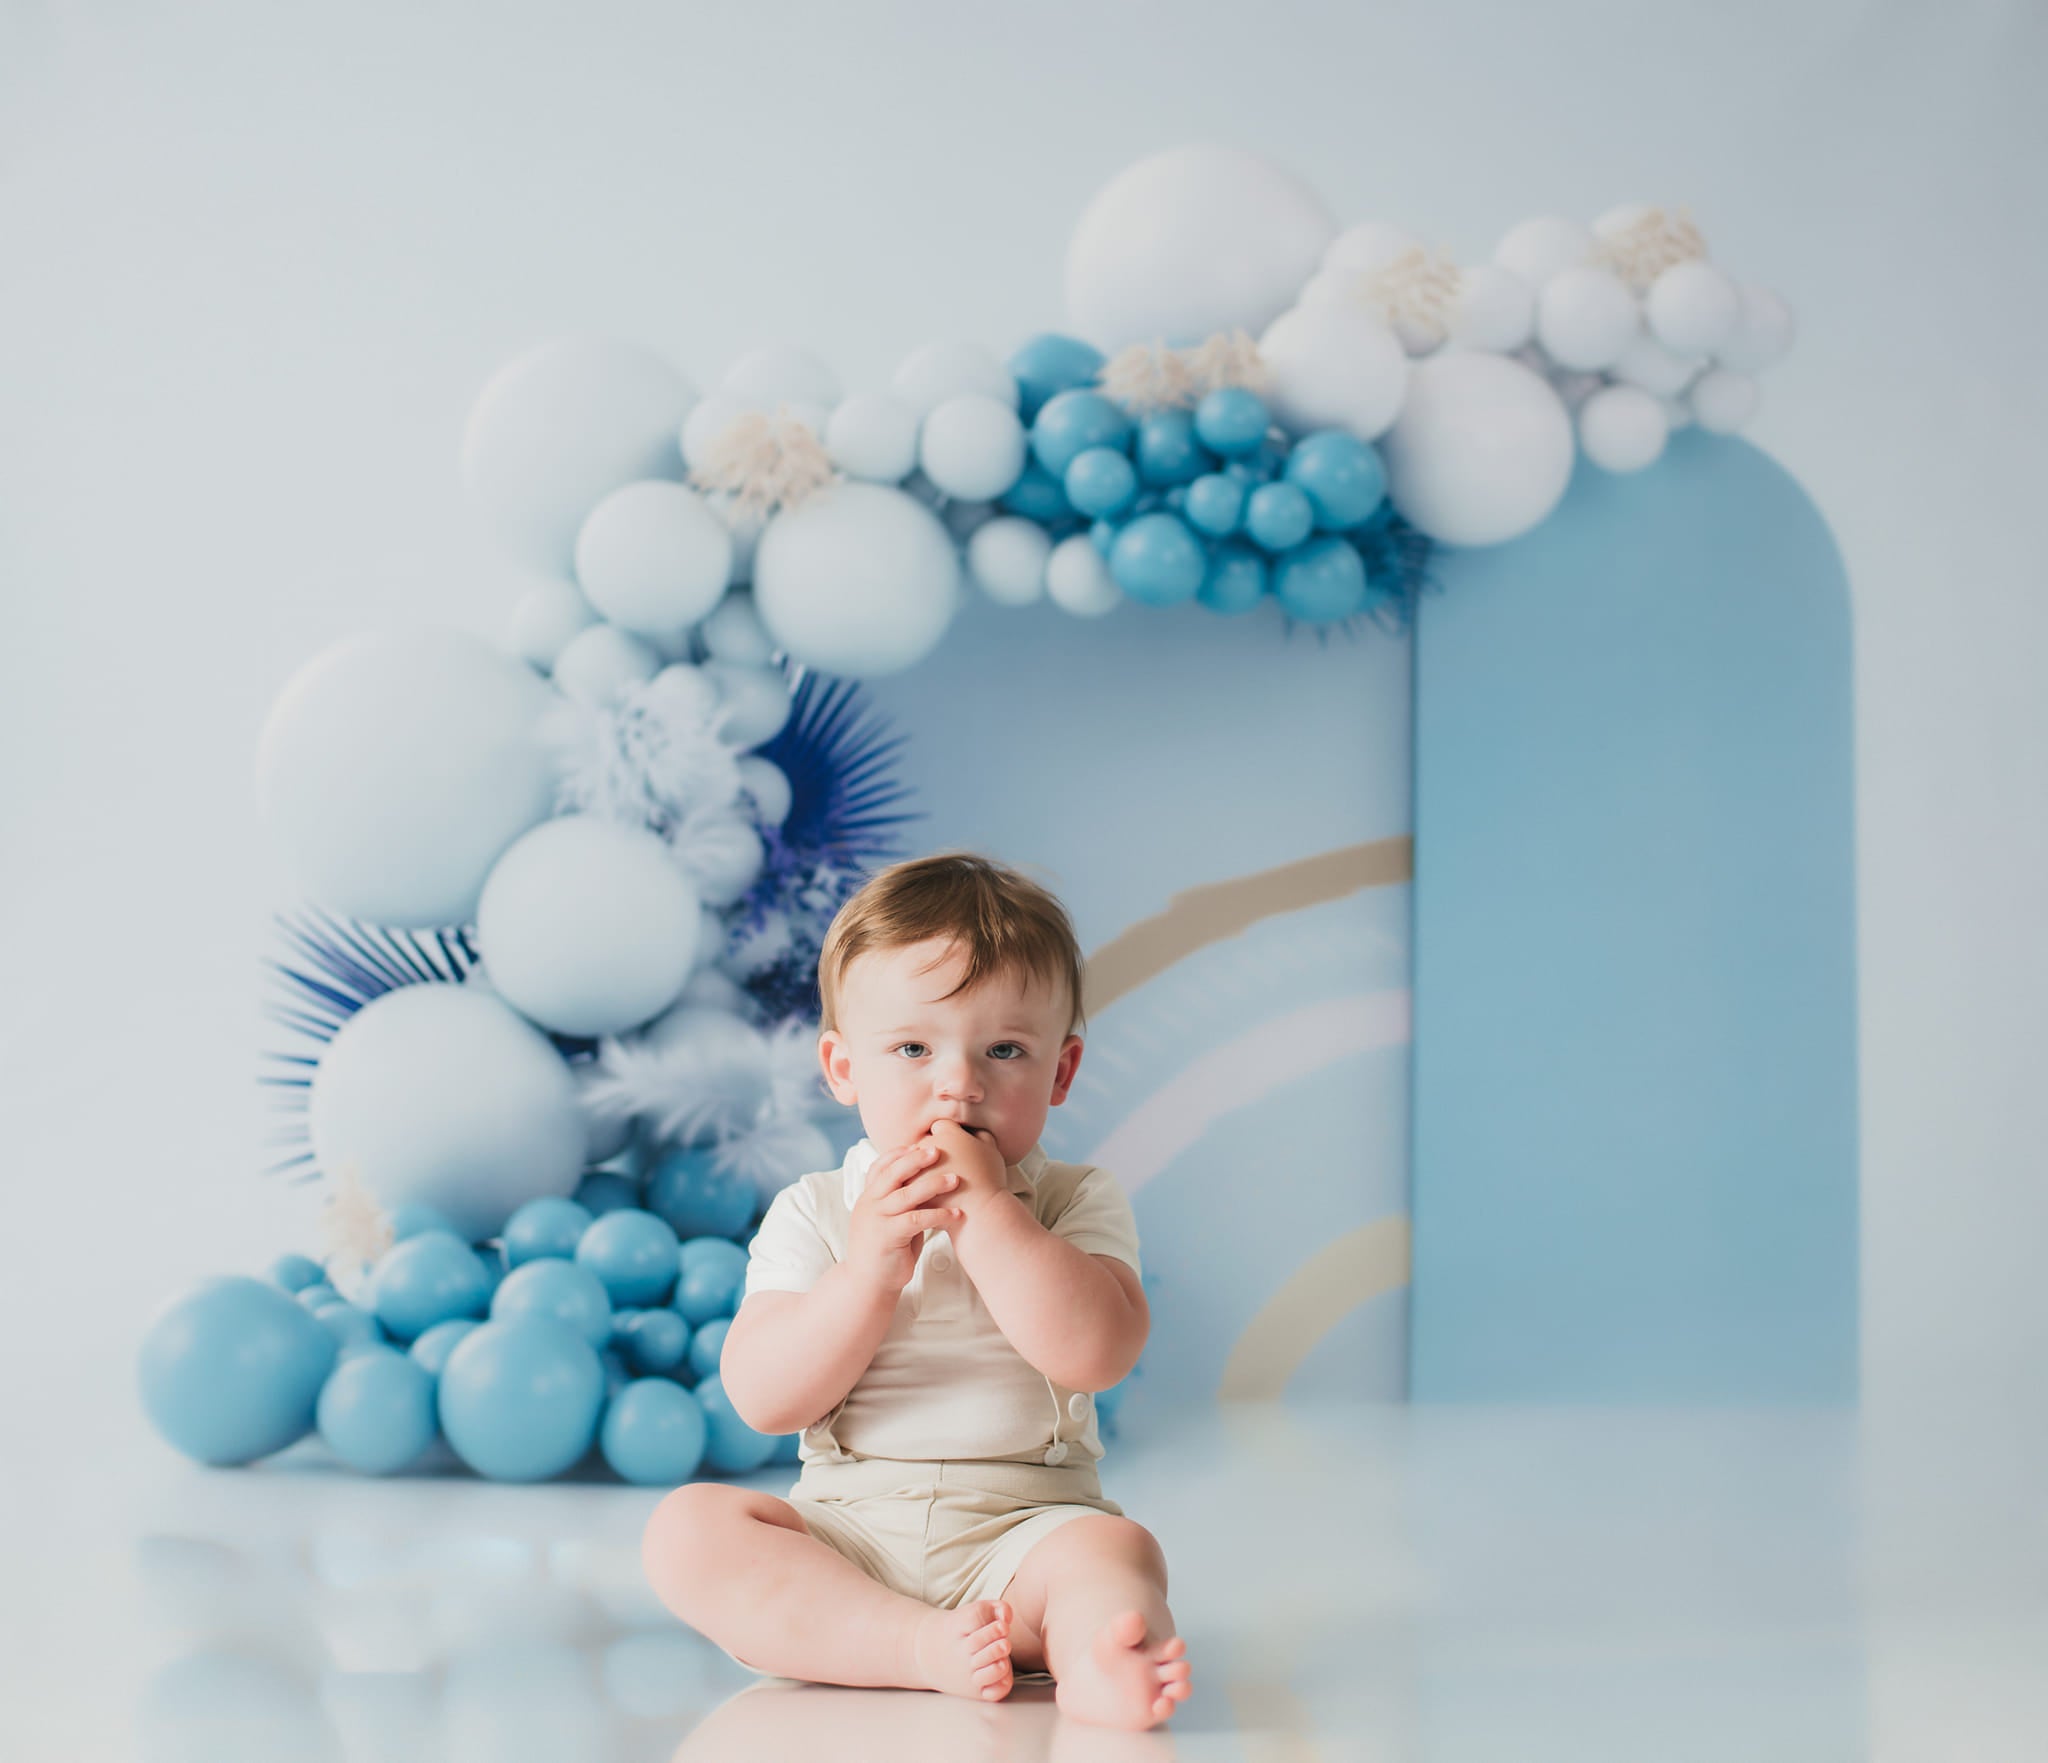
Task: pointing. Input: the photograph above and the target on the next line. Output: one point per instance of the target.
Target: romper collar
(1019, 1178)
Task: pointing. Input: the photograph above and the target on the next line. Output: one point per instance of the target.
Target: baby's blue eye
(998, 1047)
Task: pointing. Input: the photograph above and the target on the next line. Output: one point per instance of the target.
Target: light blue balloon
(652, 1340)
(1236, 579)
(560, 1291)
(1215, 504)
(603, 1191)
(732, 1446)
(654, 1433)
(429, 1278)
(1167, 451)
(1321, 581)
(1103, 536)
(1049, 364)
(317, 1295)
(713, 1251)
(519, 1398)
(788, 1448)
(1279, 516)
(634, 1253)
(1108, 1401)
(1341, 475)
(351, 1325)
(1156, 560)
(1037, 495)
(232, 1370)
(296, 1273)
(617, 1373)
(706, 1290)
(430, 1352)
(376, 1411)
(1249, 472)
(699, 1196)
(550, 1227)
(1070, 423)
(706, 1346)
(1101, 482)
(1232, 421)
(415, 1216)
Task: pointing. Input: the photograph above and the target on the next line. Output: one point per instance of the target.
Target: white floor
(1353, 1582)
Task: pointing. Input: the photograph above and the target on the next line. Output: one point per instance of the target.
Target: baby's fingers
(931, 1218)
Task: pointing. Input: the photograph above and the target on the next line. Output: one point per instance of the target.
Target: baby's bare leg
(738, 1566)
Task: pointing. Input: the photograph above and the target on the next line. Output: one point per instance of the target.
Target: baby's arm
(790, 1357)
(1066, 1311)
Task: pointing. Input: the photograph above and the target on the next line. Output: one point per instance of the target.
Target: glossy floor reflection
(1354, 1582)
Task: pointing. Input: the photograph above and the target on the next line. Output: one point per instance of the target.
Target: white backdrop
(258, 263)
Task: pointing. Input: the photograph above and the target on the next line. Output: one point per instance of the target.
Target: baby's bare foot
(1126, 1679)
(966, 1652)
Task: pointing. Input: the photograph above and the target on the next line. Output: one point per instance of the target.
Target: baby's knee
(678, 1534)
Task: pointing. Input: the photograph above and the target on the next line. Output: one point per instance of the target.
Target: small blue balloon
(430, 1352)
(698, 1195)
(1108, 1401)
(232, 1370)
(1167, 451)
(376, 1411)
(1342, 477)
(654, 1433)
(633, 1253)
(706, 1290)
(1156, 560)
(603, 1191)
(732, 1446)
(542, 1228)
(560, 1291)
(709, 1251)
(414, 1217)
(1232, 421)
(1037, 495)
(1215, 504)
(652, 1340)
(351, 1325)
(1102, 535)
(1070, 423)
(1101, 482)
(617, 1373)
(295, 1273)
(1049, 364)
(1236, 580)
(1322, 581)
(427, 1279)
(1278, 516)
(519, 1398)
(706, 1346)
(317, 1295)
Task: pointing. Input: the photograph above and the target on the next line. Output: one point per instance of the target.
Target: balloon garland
(555, 987)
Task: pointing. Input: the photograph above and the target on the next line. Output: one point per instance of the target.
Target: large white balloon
(972, 447)
(928, 376)
(1693, 307)
(653, 557)
(587, 926)
(1587, 317)
(1189, 242)
(396, 767)
(1482, 451)
(1538, 249)
(547, 616)
(873, 435)
(444, 1095)
(559, 429)
(782, 373)
(1334, 366)
(596, 665)
(858, 580)
(1007, 557)
(1492, 309)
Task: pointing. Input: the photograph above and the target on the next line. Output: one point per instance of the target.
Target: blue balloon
(232, 1370)
(416, 1216)
(1108, 1401)
(1102, 535)
(560, 1291)
(698, 1195)
(602, 1191)
(1071, 423)
(633, 1253)
(1232, 421)
(654, 1433)
(706, 1346)
(1279, 516)
(296, 1273)
(715, 1252)
(1156, 560)
(788, 1448)
(377, 1411)
(431, 1350)
(706, 1290)
(1037, 495)
(1215, 504)
(1049, 364)
(1248, 472)
(351, 1325)
(426, 1279)
(1101, 482)
(547, 1227)
(652, 1340)
(732, 1446)
(1167, 451)
(617, 1373)
(1342, 477)
(1323, 580)
(318, 1295)
(519, 1399)
(1236, 580)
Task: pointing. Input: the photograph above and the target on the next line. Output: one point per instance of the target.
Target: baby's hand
(891, 1216)
(969, 1152)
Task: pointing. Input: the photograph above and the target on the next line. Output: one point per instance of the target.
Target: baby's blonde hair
(1004, 921)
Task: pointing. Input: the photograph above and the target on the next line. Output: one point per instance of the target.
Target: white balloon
(601, 662)
(686, 693)
(858, 580)
(1622, 428)
(733, 631)
(972, 447)
(1762, 334)
(559, 429)
(1586, 317)
(713, 414)
(1334, 367)
(1538, 249)
(588, 926)
(1693, 307)
(782, 373)
(928, 376)
(1336, 287)
(443, 1095)
(395, 767)
(1077, 579)
(1722, 401)
(1647, 364)
(1368, 247)
(1007, 558)
(874, 436)
(753, 702)
(1492, 309)
(1189, 242)
(712, 992)
(1483, 449)
(768, 784)
(547, 616)
(653, 557)
(722, 854)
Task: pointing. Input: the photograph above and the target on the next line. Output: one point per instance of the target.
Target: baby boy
(935, 1316)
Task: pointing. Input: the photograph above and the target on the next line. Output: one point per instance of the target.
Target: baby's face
(997, 1057)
